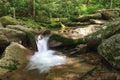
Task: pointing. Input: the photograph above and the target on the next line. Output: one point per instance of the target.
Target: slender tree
(111, 3)
(34, 11)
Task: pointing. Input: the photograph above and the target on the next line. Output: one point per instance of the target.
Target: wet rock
(87, 17)
(108, 14)
(72, 37)
(73, 70)
(82, 48)
(7, 20)
(1, 25)
(9, 35)
(96, 21)
(110, 50)
(14, 56)
(78, 23)
(30, 33)
(57, 40)
(107, 30)
(87, 30)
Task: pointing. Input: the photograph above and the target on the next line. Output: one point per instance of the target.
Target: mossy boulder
(63, 40)
(30, 33)
(3, 41)
(110, 50)
(86, 17)
(110, 13)
(71, 37)
(13, 57)
(1, 25)
(9, 35)
(106, 31)
(7, 20)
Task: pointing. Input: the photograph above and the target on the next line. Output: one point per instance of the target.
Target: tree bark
(34, 8)
(111, 2)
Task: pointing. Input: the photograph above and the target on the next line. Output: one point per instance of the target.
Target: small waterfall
(44, 59)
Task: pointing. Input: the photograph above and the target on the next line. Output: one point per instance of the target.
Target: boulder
(107, 30)
(57, 40)
(1, 25)
(9, 35)
(110, 50)
(71, 37)
(108, 14)
(7, 20)
(14, 56)
(77, 23)
(3, 41)
(96, 21)
(29, 32)
(82, 48)
(86, 17)
(87, 30)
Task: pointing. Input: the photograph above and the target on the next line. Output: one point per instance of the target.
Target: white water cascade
(44, 59)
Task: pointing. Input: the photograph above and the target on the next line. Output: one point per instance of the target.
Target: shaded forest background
(44, 10)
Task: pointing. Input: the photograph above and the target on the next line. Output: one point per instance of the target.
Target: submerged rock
(14, 56)
(110, 50)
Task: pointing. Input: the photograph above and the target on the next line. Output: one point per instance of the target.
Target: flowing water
(41, 65)
(44, 59)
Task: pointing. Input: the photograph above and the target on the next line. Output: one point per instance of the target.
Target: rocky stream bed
(93, 51)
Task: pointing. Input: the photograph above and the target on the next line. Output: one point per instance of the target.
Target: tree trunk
(87, 2)
(111, 2)
(14, 13)
(33, 8)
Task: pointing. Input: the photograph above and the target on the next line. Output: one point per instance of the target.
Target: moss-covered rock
(29, 32)
(3, 41)
(86, 17)
(13, 57)
(71, 36)
(29, 23)
(7, 20)
(9, 35)
(63, 40)
(107, 30)
(1, 25)
(110, 13)
(110, 50)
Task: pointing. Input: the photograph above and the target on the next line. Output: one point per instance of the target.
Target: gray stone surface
(110, 50)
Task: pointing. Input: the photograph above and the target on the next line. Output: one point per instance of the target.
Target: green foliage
(11, 66)
(4, 8)
(116, 4)
(43, 10)
(83, 8)
(93, 8)
(7, 20)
